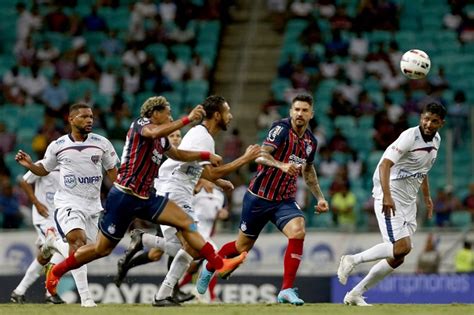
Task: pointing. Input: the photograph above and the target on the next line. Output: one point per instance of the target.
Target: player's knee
(401, 251)
(155, 254)
(297, 232)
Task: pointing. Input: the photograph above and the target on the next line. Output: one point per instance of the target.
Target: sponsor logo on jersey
(60, 141)
(95, 138)
(243, 226)
(296, 160)
(50, 196)
(95, 159)
(70, 181)
(89, 179)
(157, 157)
(309, 148)
(111, 229)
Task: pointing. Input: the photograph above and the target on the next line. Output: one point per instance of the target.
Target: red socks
(207, 251)
(227, 251)
(292, 260)
(186, 279)
(69, 263)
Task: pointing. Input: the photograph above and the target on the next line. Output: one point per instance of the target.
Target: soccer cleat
(346, 265)
(17, 298)
(135, 245)
(203, 280)
(122, 271)
(89, 302)
(51, 280)
(230, 265)
(166, 302)
(355, 299)
(54, 299)
(290, 296)
(48, 249)
(181, 296)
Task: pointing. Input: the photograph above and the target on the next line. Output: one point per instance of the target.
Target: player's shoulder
(61, 141)
(284, 123)
(98, 139)
(310, 135)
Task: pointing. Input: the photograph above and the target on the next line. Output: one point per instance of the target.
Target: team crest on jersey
(95, 159)
(70, 181)
(309, 148)
(111, 229)
(274, 133)
(243, 226)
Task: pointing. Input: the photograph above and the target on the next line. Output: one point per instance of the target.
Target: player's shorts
(256, 212)
(169, 232)
(71, 218)
(396, 227)
(121, 208)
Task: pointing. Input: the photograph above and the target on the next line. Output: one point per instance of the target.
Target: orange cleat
(51, 280)
(230, 265)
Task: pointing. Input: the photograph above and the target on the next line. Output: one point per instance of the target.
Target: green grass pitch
(247, 309)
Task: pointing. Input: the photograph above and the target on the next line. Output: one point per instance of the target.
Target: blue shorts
(256, 212)
(121, 208)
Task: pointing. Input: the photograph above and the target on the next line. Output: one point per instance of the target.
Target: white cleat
(48, 249)
(88, 303)
(355, 299)
(346, 265)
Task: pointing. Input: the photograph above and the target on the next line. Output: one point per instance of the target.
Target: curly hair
(151, 104)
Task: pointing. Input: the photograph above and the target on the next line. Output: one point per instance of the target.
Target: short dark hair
(435, 108)
(303, 98)
(76, 106)
(213, 104)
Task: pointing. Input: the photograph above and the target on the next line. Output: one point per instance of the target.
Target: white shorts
(169, 232)
(68, 219)
(396, 227)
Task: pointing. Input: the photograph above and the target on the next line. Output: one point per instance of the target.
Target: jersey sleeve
(110, 158)
(400, 147)
(30, 178)
(50, 160)
(312, 154)
(277, 135)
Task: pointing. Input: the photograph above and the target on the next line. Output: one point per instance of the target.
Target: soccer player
(178, 180)
(289, 149)
(131, 196)
(401, 171)
(80, 156)
(42, 199)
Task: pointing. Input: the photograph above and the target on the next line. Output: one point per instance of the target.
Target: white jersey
(412, 158)
(207, 206)
(80, 170)
(178, 177)
(45, 188)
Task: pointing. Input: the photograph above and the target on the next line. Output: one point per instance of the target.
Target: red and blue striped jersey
(270, 182)
(141, 159)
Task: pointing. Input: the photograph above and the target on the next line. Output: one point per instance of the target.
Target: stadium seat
(461, 219)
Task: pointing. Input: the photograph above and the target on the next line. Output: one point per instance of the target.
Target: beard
(83, 130)
(222, 125)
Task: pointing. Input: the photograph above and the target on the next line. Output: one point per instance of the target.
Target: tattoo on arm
(311, 179)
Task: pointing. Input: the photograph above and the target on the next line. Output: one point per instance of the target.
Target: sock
(56, 258)
(32, 273)
(187, 279)
(139, 260)
(69, 263)
(379, 251)
(153, 241)
(170, 261)
(62, 247)
(212, 285)
(379, 271)
(82, 285)
(214, 260)
(179, 266)
(292, 260)
(229, 250)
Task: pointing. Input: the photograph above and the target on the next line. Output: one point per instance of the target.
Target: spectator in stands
(277, 11)
(341, 20)
(458, 115)
(311, 34)
(444, 204)
(182, 33)
(340, 105)
(9, 207)
(354, 69)
(233, 146)
(342, 204)
(33, 85)
(438, 80)
(329, 68)
(355, 166)
(338, 142)
(134, 56)
(464, 260)
(328, 167)
(26, 22)
(57, 20)
(301, 9)
(111, 46)
(146, 8)
(365, 105)
(88, 68)
(55, 97)
(300, 79)
(358, 45)
(66, 66)
(94, 22)
(453, 19)
(350, 90)
(108, 82)
(384, 131)
(174, 69)
(430, 259)
(468, 201)
(7, 139)
(267, 115)
(47, 54)
(12, 86)
(131, 80)
(26, 53)
(198, 70)
(337, 46)
(167, 10)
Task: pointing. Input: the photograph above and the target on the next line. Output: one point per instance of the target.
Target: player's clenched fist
(197, 113)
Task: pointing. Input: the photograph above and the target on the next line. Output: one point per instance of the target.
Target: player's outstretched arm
(266, 158)
(311, 179)
(24, 159)
(214, 173)
(189, 156)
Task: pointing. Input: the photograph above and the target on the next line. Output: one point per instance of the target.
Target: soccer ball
(415, 64)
